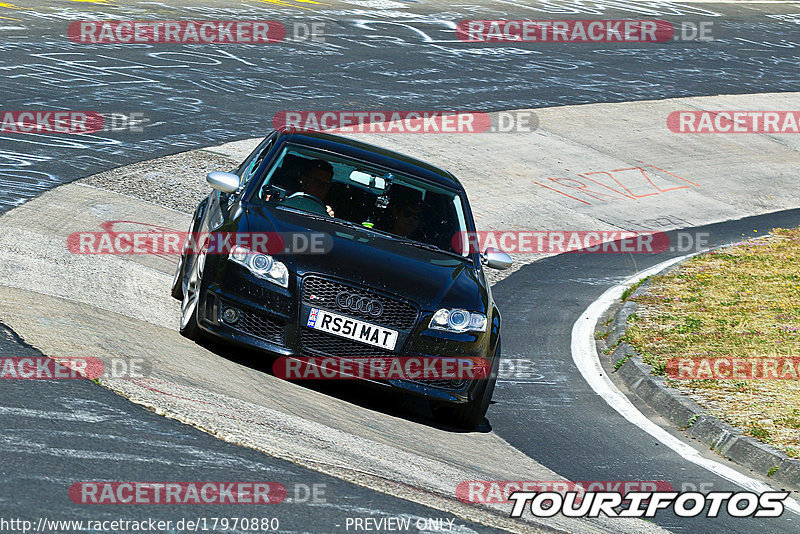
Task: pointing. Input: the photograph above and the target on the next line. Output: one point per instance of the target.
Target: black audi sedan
(387, 261)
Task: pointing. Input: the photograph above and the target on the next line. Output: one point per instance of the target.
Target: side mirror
(227, 182)
(496, 259)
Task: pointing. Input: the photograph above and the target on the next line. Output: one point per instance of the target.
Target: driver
(316, 180)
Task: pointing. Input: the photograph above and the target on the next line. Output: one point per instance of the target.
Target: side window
(256, 159)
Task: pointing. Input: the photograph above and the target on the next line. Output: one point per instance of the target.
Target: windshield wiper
(334, 220)
(428, 246)
(316, 216)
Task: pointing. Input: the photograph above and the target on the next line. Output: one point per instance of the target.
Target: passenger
(406, 213)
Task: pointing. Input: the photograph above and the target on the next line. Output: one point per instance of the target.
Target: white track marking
(584, 354)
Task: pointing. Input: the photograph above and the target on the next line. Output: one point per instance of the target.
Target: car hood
(432, 279)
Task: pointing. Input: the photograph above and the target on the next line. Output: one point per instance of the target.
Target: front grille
(330, 345)
(258, 325)
(396, 313)
(441, 384)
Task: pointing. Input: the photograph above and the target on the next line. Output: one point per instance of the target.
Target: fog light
(230, 315)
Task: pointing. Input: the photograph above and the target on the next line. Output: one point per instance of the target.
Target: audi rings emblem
(357, 303)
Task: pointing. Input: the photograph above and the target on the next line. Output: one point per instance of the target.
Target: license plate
(340, 325)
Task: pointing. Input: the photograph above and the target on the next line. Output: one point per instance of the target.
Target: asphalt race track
(199, 96)
(377, 54)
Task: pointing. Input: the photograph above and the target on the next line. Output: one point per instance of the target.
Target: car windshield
(354, 192)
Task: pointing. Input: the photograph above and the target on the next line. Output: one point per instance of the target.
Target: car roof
(372, 154)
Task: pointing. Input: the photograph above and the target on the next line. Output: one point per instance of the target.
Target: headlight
(457, 320)
(261, 265)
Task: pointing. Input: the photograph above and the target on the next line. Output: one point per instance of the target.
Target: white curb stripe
(584, 354)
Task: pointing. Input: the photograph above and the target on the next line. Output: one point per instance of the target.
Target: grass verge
(740, 301)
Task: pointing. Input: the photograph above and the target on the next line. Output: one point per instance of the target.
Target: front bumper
(273, 319)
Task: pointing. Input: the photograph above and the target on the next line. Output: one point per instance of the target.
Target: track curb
(625, 364)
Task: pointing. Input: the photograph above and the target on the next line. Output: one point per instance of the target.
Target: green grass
(742, 301)
(759, 432)
(772, 471)
(629, 291)
(692, 420)
(613, 347)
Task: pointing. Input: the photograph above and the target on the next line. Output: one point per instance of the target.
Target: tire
(177, 281)
(470, 414)
(189, 303)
